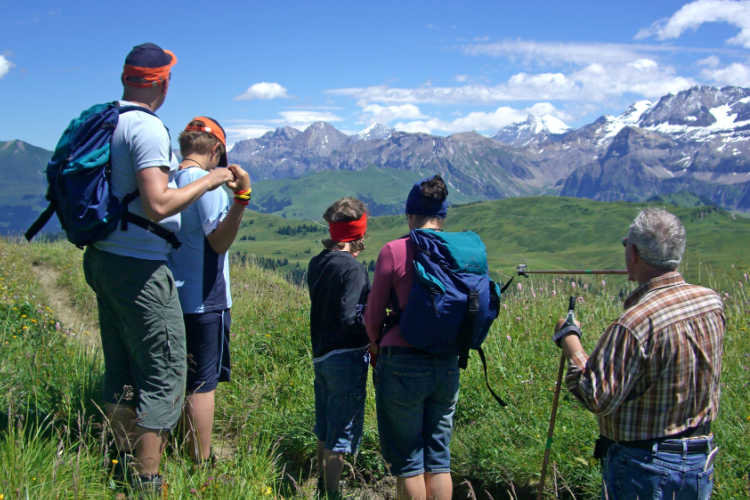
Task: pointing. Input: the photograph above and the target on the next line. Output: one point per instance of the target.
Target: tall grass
(53, 439)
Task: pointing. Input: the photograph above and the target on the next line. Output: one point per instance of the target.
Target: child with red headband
(338, 287)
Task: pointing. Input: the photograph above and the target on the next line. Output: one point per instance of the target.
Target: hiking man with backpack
(338, 286)
(416, 390)
(653, 378)
(142, 329)
(201, 269)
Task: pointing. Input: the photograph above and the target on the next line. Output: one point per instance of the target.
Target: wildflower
(23, 315)
(267, 491)
(572, 284)
(115, 461)
(25, 327)
(519, 286)
(2, 497)
(57, 326)
(33, 320)
(604, 283)
(508, 337)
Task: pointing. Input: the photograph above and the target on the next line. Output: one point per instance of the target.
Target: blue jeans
(416, 396)
(629, 473)
(340, 390)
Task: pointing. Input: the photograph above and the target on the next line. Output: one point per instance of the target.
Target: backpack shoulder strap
(144, 223)
(40, 221)
(487, 380)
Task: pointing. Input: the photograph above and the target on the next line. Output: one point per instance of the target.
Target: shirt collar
(671, 278)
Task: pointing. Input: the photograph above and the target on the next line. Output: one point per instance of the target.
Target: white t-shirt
(202, 275)
(140, 141)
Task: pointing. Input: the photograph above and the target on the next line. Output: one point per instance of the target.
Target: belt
(687, 445)
(402, 349)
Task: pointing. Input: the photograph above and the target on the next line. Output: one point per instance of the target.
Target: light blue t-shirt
(202, 275)
(140, 141)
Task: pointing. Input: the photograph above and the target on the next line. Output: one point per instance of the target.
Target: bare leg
(199, 411)
(439, 486)
(411, 488)
(149, 447)
(333, 464)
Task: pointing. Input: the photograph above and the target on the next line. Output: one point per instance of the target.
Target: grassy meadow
(54, 440)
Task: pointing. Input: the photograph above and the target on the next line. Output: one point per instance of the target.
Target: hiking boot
(147, 486)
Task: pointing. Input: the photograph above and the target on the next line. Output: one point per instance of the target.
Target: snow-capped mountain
(375, 132)
(697, 140)
(537, 128)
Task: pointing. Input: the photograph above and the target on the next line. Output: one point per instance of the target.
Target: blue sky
(435, 67)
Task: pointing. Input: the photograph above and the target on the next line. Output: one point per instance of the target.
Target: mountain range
(692, 144)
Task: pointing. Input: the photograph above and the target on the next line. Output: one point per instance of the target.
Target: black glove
(567, 329)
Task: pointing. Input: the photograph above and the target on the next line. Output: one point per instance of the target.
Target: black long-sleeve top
(338, 286)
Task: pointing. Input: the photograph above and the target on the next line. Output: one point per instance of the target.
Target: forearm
(223, 236)
(162, 203)
(573, 350)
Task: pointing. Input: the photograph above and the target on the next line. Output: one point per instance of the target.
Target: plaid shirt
(655, 370)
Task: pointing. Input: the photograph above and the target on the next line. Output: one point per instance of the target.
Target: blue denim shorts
(416, 395)
(637, 473)
(340, 390)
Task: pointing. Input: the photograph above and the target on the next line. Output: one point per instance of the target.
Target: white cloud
(302, 119)
(263, 90)
(541, 109)
(5, 66)
(462, 78)
(710, 62)
(734, 74)
(239, 133)
(691, 16)
(594, 81)
(386, 114)
(557, 52)
(482, 121)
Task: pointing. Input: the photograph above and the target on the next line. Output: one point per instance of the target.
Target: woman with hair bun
(416, 392)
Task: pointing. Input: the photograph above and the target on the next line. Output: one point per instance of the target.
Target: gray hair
(659, 236)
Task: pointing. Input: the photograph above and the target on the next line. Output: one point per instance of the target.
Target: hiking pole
(569, 319)
(523, 271)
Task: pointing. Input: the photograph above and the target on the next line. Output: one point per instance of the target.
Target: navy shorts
(207, 349)
(416, 396)
(340, 390)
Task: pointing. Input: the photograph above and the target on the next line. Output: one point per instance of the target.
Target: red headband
(348, 230)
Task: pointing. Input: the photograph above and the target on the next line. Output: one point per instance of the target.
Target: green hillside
(307, 197)
(23, 187)
(549, 232)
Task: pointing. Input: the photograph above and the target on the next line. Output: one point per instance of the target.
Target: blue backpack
(453, 301)
(79, 178)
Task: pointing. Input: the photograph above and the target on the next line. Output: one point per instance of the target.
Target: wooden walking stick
(570, 318)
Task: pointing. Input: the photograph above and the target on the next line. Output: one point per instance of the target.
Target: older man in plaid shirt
(653, 378)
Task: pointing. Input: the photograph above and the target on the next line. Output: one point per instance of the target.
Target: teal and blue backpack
(79, 181)
(453, 301)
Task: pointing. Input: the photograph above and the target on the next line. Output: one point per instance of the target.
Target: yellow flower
(115, 461)
(2, 497)
(23, 315)
(267, 491)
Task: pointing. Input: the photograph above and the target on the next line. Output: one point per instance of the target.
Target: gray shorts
(143, 336)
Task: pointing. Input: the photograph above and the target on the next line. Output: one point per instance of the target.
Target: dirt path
(78, 326)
